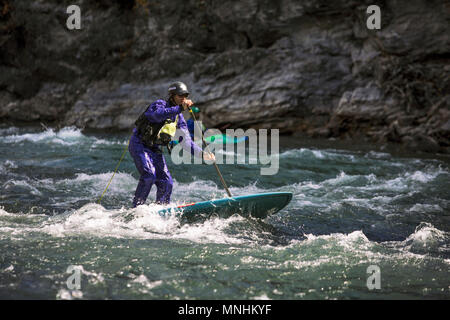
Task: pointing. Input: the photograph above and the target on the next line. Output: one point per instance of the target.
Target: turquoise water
(352, 208)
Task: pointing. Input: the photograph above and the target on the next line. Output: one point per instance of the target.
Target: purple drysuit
(150, 162)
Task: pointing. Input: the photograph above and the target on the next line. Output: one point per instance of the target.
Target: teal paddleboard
(255, 205)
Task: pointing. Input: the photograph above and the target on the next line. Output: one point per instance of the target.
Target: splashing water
(350, 210)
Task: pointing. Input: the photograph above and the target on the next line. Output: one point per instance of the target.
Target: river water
(362, 224)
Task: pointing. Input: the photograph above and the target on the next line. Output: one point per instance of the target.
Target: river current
(362, 224)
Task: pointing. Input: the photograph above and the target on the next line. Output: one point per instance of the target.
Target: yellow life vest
(156, 133)
(167, 131)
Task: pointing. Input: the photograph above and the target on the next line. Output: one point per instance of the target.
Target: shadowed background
(306, 67)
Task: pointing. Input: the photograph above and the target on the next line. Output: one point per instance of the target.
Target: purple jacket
(161, 110)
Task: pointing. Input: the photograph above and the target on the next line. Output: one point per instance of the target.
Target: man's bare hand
(209, 156)
(187, 104)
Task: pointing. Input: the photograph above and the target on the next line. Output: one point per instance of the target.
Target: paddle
(214, 162)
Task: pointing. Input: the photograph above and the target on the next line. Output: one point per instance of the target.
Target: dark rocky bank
(305, 67)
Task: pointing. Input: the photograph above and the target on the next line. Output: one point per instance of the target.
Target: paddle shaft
(214, 162)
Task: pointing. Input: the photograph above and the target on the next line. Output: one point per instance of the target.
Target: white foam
(64, 294)
(261, 297)
(342, 177)
(347, 241)
(338, 249)
(423, 177)
(93, 219)
(97, 142)
(66, 136)
(302, 152)
(10, 164)
(10, 184)
(142, 222)
(69, 133)
(307, 185)
(212, 230)
(145, 284)
(426, 239)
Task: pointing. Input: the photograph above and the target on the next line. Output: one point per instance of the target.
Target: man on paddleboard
(154, 129)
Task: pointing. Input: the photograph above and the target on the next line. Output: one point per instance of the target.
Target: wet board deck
(258, 205)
